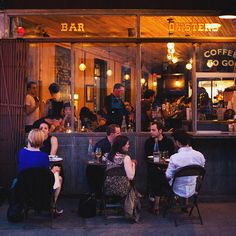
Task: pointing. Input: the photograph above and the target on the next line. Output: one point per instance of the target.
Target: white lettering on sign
(220, 52)
(193, 27)
(72, 27)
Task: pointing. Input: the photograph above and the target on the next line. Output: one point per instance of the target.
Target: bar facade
(188, 59)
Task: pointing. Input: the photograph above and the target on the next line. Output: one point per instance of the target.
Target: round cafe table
(157, 182)
(56, 161)
(95, 174)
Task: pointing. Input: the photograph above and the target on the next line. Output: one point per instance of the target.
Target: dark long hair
(118, 143)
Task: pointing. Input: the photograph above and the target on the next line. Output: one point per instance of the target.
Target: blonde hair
(36, 138)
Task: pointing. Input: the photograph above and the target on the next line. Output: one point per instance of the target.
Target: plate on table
(150, 157)
(167, 160)
(54, 158)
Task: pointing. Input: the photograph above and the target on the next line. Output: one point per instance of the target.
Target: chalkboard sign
(63, 70)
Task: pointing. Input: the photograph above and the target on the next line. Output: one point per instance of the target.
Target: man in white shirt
(184, 186)
(31, 105)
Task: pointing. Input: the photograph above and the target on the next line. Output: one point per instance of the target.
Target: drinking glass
(98, 153)
(165, 154)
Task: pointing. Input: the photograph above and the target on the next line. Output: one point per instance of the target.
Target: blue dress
(32, 159)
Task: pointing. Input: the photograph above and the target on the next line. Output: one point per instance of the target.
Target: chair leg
(200, 217)
(191, 210)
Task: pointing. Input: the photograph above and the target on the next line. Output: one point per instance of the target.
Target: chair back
(191, 170)
(116, 182)
(34, 188)
(115, 171)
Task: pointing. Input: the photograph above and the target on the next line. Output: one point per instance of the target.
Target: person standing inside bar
(31, 106)
(157, 182)
(146, 109)
(115, 106)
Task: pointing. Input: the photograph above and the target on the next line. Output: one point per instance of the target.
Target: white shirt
(32, 117)
(184, 186)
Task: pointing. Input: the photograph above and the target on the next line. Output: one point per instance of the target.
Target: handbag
(87, 206)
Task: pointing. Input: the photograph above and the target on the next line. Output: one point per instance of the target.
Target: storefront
(87, 52)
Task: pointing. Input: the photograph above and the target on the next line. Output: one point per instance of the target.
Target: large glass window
(96, 69)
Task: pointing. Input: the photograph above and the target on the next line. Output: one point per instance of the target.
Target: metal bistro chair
(172, 200)
(34, 190)
(112, 198)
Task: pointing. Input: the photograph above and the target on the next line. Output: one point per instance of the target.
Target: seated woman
(32, 157)
(88, 119)
(50, 146)
(118, 157)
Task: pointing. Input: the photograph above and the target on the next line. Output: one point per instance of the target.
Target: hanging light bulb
(177, 83)
(188, 66)
(170, 45)
(171, 50)
(82, 66)
(126, 76)
(209, 63)
(154, 83)
(142, 81)
(109, 72)
(174, 59)
(169, 56)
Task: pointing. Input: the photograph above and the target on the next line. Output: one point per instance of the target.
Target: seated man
(112, 131)
(95, 175)
(157, 182)
(184, 186)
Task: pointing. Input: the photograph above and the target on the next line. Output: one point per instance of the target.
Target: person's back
(32, 159)
(184, 186)
(120, 185)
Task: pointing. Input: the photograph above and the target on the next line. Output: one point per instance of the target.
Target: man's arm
(28, 105)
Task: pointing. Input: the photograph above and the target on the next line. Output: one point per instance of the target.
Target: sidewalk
(219, 219)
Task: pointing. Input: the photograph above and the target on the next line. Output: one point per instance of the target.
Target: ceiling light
(126, 76)
(188, 66)
(154, 83)
(170, 45)
(82, 66)
(142, 81)
(209, 63)
(109, 72)
(227, 17)
(174, 60)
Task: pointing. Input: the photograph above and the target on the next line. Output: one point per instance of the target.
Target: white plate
(151, 157)
(55, 158)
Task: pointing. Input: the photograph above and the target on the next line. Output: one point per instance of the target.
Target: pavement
(218, 218)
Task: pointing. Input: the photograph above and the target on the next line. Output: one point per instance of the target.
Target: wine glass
(98, 153)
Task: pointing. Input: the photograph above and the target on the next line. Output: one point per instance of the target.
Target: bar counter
(219, 149)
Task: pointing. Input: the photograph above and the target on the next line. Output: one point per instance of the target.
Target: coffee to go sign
(220, 57)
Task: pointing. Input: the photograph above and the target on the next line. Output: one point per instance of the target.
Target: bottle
(156, 156)
(90, 148)
(79, 125)
(123, 126)
(68, 128)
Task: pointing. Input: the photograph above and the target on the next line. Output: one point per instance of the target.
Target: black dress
(157, 182)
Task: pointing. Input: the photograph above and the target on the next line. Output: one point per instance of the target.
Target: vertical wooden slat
(13, 61)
